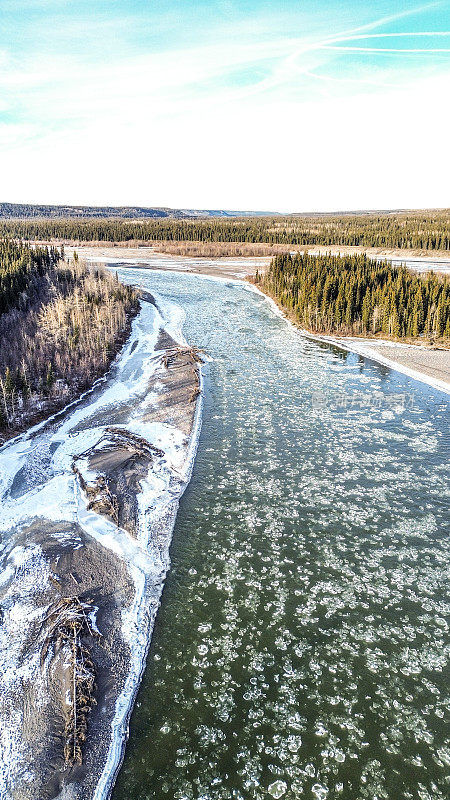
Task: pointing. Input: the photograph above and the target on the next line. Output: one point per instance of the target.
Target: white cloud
(183, 128)
(373, 151)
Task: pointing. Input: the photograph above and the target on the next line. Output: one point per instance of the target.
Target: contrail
(387, 49)
(393, 35)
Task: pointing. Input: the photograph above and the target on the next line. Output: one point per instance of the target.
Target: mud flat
(89, 500)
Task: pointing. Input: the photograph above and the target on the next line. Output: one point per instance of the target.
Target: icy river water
(301, 647)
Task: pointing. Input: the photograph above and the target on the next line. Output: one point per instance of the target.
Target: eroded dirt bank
(89, 500)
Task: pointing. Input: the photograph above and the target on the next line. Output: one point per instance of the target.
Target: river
(301, 647)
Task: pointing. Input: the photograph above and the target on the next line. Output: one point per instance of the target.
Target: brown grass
(219, 249)
(193, 249)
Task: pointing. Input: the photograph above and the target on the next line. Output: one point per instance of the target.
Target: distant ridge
(30, 211)
(25, 211)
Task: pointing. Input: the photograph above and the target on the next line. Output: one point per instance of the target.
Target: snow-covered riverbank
(53, 546)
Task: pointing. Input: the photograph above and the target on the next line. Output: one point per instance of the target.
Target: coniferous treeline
(403, 230)
(356, 295)
(59, 326)
(21, 271)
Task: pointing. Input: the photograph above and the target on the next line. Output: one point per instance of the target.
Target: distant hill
(25, 211)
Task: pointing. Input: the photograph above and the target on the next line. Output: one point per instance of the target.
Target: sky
(286, 105)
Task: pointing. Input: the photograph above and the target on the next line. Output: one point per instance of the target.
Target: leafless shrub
(67, 337)
(218, 249)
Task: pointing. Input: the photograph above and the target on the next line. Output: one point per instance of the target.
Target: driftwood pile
(193, 355)
(103, 501)
(172, 354)
(137, 445)
(65, 625)
(101, 498)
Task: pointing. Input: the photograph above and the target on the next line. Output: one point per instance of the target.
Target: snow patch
(47, 488)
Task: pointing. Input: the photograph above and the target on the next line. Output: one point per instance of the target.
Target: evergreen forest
(424, 230)
(357, 295)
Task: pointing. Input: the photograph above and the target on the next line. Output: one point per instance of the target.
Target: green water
(301, 646)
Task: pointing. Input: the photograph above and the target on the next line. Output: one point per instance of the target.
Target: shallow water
(301, 647)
